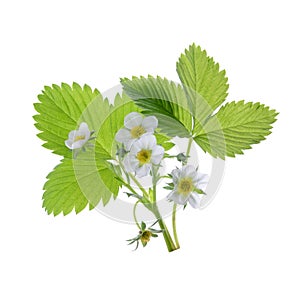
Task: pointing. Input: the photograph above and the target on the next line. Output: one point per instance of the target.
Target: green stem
(134, 214)
(139, 185)
(130, 188)
(174, 226)
(167, 237)
(188, 150)
(133, 178)
(151, 206)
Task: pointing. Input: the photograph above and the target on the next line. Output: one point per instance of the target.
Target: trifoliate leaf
(235, 127)
(61, 109)
(72, 186)
(163, 99)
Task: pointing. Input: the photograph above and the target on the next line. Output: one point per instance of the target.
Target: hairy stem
(188, 150)
(174, 226)
(138, 184)
(167, 237)
(134, 214)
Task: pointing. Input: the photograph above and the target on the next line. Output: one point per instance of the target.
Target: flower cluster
(139, 155)
(140, 143)
(142, 152)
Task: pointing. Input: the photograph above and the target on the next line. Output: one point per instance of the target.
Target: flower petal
(194, 200)
(78, 144)
(130, 163)
(177, 198)
(69, 143)
(150, 123)
(123, 135)
(157, 154)
(170, 196)
(72, 135)
(133, 119)
(84, 131)
(84, 128)
(142, 171)
(188, 171)
(148, 141)
(201, 181)
(136, 147)
(175, 175)
(158, 150)
(128, 144)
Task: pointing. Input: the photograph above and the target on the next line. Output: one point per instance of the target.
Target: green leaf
(61, 109)
(205, 85)
(199, 191)
(235, 127)
(143, 225)
(201, 74)
(163, 99)
(164, 141)
(72, 185)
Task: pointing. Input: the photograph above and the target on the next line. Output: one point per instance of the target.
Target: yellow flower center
(185, 186)
(144, 156)
(137, 132)
(79, 138)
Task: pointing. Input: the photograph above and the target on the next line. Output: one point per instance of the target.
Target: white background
(245, 245)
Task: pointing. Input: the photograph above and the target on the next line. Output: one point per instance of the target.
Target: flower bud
(182, 158)
(146, 235)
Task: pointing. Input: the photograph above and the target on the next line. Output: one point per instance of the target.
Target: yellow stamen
(79, 138)
(144, 156)
(185, 186)
(137, 132)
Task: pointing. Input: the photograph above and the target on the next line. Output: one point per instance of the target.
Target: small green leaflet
(164, 141)
(205, 85)
(235, 127)
(199, 72)
(72, 186)
(164, 99)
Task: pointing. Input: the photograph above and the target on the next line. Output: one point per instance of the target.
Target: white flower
(78, 138)
(187, 184)
(143, 153)
(135, 127)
